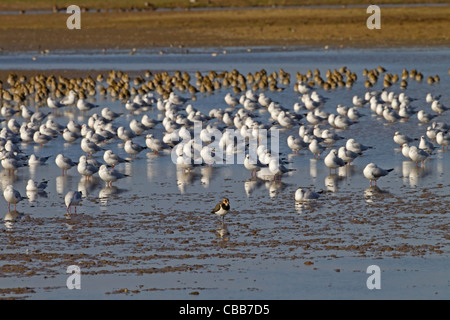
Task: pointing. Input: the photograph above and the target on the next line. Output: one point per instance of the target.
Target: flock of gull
(29, 106)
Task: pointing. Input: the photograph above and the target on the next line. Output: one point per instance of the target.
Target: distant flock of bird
(28, 106)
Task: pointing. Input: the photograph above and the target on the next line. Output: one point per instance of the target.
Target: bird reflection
(7, 179)
(185, 179)
(275, 188)
(332, 182)
(33, 195)
(251, 185)
(412, 174)
(347, 171)
(12, 217)
(313, 168)
(106, 193)
(87, 186)
(372, 193)
(206, 173)
(223, 232)
(304, 207)
(416, 174)
(61, 183)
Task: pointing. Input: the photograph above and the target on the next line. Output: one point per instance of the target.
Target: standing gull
(12, 196)
(332, 161)
(372, 172)
(72, 198)
(110, 175)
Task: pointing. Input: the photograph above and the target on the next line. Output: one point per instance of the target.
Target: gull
(176, 99)
(26, 134)
(35, 186)
(73, 126)
(353, 114)
(347, 155)
(64, 163)
(113, 159)
(316, 148)
(48, 131)
(26, 113)
(296, 144)
(41, 138)
(12, 164)
(38, 116)
(418, 155)
(125, 134)
(330, 137)
(34, 160)
(252, 165)
(70, 136)
(148, 122)
(341, 122)
(405, 150)
(358, 101)
(132, 106)
(72, 198)
(86, 169)
(278, 169)
(443, 139)
(186, 163)
(426, 145)
(133, 148)
(207, 155)
(430, 98)
(109, 115)
(390, 114)
(155, 144)
(342, 110)
(10, 146)
(110, 175)
(372, 172)
(303, 87)
(54, 104)
(12, 196)
(230, 100)
(355, 146)
(314, 119)
(424, 117)
(13, 125)
(84, 105)
(400, 139)
(438, 107)
(137, 127)
(95, 137)
(332, 161)
(69, 99)
(305, 195)
(89, 147)
(405, 111)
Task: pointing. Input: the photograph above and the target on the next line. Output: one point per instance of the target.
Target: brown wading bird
(222, 208)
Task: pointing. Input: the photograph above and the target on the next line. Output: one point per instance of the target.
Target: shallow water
(152, 233)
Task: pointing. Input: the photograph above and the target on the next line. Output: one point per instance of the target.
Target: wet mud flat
(152, 235)
(146, 244)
